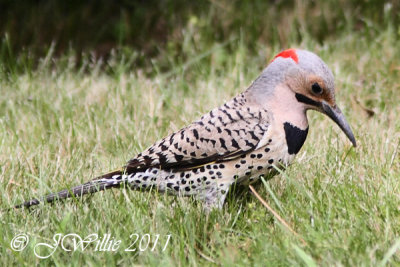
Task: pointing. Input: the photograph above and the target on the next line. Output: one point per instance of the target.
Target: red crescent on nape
(289, 53)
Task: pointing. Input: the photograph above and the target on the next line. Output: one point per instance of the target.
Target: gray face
(309, 78)
(316, 89)
(312, 64)
(298, 66)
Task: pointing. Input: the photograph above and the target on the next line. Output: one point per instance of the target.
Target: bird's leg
(214, 197)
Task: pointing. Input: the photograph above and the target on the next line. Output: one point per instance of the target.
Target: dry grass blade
(280, 219)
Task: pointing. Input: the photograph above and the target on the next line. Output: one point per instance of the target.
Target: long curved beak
(337, 116)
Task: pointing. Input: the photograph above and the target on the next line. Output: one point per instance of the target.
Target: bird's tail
(109, 180)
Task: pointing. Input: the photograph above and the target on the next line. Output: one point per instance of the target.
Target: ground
(61, 126)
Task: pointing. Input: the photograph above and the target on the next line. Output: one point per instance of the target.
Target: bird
(253, 135)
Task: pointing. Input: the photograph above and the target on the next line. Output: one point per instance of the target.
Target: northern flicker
(250, 136)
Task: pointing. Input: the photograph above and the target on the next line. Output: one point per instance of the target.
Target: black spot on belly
(295, 137)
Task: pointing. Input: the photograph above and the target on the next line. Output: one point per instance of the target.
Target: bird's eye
(316, 89)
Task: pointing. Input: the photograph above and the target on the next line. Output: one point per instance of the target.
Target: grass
(61, 126)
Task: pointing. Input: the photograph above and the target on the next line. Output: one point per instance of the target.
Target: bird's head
(312, 83)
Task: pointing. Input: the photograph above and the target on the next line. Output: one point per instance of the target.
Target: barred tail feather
(106, 181)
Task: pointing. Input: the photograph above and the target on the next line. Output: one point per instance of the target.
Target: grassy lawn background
(61, 126)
